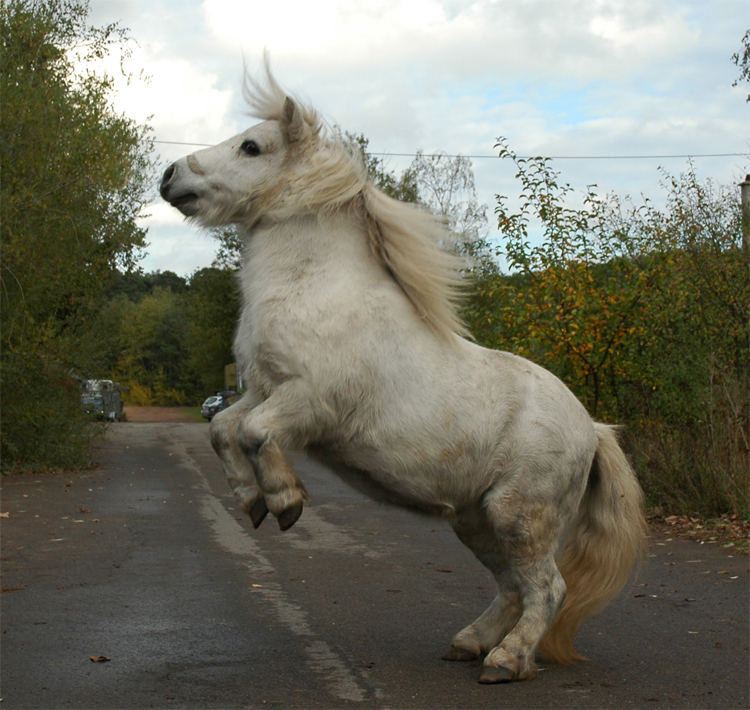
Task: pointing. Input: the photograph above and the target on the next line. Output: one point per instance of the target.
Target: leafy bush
(43, 424)
(644, 313)
(75, 175)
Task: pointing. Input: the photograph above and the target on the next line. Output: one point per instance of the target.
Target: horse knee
(221, 433)
(250, 438)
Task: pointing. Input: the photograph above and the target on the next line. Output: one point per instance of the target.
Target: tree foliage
(644, 312)
(742, 61)
(75, 175)
(213, 309)
(169, 338)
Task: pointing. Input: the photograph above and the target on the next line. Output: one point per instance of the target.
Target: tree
(400, 187)
(445, 184)
(582, 288)
(153, 360)
(213, 310)
(75, 176)
(644, 313)
(742, 61)
(229, 254)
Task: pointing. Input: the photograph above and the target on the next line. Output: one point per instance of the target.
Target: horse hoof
(289, 517)
(258, 512)
(496, 674)
(459, 654)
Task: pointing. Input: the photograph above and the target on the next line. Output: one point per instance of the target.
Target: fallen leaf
(99, 659)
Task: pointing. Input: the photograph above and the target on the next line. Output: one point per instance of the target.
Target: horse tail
(606, 541)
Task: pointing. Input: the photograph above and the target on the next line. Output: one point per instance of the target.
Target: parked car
(211, 406)
(102, 399)
(215, 403)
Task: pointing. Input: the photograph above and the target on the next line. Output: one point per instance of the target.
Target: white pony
(351, 348)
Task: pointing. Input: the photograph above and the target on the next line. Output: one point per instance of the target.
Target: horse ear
(294, 122)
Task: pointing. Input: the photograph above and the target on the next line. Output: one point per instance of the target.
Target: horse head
(233, 181)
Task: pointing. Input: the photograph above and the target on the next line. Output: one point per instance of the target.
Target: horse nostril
(166, 178)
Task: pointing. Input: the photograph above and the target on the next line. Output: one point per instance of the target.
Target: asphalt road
(147, 561)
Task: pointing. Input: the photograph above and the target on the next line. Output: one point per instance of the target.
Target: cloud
(175, 97)
(556, 78)
(178, 247)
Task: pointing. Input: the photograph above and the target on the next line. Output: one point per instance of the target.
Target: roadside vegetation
(74, 178)
(643, 311)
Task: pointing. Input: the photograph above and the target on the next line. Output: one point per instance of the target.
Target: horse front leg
(289, 418)
(238, 469)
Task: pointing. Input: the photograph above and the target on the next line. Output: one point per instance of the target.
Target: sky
(559, 78)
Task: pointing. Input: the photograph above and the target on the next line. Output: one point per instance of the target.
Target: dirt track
(156, 414)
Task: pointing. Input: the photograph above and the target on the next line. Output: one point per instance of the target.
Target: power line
(682, 156)
(579, 157)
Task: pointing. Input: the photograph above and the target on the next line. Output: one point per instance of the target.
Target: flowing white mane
(325, 176)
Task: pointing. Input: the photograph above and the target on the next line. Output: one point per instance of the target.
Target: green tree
(229, 254)
(75, 175)
(691, 407)
(400, 187)
(572, 311)
(213, 310)
(153, 355)
(644, 312)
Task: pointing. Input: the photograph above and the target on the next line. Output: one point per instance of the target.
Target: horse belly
(383, 481)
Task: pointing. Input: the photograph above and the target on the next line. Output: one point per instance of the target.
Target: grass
(192, 412)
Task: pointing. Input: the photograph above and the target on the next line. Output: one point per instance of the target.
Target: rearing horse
(351, 347)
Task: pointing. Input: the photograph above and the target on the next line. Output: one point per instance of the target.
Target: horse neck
(320, 242)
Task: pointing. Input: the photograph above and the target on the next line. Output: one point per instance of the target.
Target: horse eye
(250, 147)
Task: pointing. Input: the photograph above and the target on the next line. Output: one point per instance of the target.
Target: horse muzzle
(178, 195)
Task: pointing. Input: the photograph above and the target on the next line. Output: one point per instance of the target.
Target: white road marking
(321, 658)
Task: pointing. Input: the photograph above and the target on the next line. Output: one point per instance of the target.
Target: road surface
(146, 564)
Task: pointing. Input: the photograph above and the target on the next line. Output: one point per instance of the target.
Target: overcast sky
(555, 77)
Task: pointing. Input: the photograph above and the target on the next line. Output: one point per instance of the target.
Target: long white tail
(606, 542)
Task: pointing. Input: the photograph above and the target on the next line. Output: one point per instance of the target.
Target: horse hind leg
(485, 632)
(541, 592)
(527, 535)
(474, 529)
